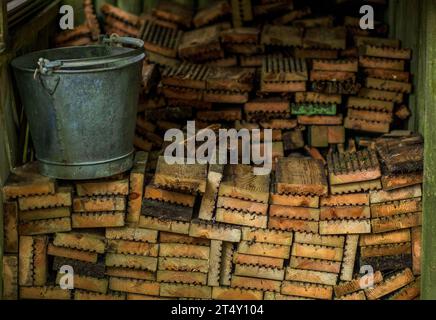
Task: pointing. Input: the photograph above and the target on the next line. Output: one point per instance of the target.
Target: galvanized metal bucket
(81, 106)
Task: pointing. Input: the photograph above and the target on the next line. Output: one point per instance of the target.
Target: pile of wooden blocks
(280, 66)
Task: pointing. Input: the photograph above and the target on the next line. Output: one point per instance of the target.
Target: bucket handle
(47, 67)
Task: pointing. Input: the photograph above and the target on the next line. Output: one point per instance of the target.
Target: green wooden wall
(413, 21)
(427, 105)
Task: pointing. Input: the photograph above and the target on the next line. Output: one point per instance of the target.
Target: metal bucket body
(82, 120)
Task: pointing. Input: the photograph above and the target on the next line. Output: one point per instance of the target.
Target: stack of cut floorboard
(170, 198)
(120, 22)
(299, 182)
(243, 197)
(314, 266)
(219, 233)
(100, 204)
(383, 65)
(193, 82)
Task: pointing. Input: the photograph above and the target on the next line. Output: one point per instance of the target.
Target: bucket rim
(123, 57)
(123, 64)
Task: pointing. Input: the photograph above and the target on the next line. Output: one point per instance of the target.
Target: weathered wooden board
(131, 261)
(10, 227)
(235, 217)
(255, 260)
(345, 226)
(348, 287)
(294, 200)
(121, 272)
(132, 234)
(168, 237)
(394, 208)
(395, 195)
(242, 205)
(177, 250)
(287, 224)
(95, 270)
(185, 291)
(400, 236)
(164, 225)
(185, 277)
(250, 283)
(264, 249)
(316, 239)
(99, 204)
(309, 276)
(349, 258)
(10, 277)
(391, 182)
(80, 241)
(26, 181)
(82, 295)
(401, 155)
(388, 263)
(166, 210)
(69, 253)
(307, 290)
(416, 234)
(44, 214)
(183, 264)
(86, 220)
(44, 293)
(133, 248)
(402, 221)
(284, 36)
(177, 198)
(211, 231)
(134, 286)
(317, 252)
(352, 167)
(62, 198)
(390, 284)
(259, 272)
(181, 177)
(103, 188)
(345, 212)
(88, 283)
(354, 199)
(223, 293)
(315, 264)
(301, 176)
(240, 182)
(267, 236)
(209, 198)
(299, 213)
(45, 226)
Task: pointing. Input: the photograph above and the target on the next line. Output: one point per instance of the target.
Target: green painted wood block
(312, 109)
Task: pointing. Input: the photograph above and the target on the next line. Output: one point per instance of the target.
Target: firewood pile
(338, 217)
